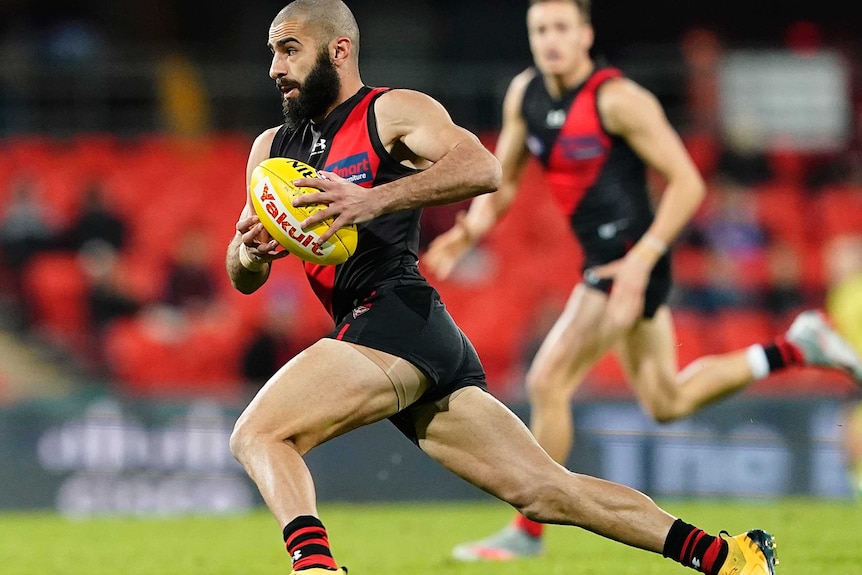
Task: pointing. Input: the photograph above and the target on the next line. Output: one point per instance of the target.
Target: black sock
(695, 548)
(307, 543)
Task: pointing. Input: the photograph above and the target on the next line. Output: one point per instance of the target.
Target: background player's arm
(249, 271)
(486, 210)
(630, 111)
(511, 151)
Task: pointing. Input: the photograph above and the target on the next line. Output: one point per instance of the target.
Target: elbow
(491, 175)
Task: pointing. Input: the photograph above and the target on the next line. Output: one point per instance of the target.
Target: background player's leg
(578, 339)
(647, 354)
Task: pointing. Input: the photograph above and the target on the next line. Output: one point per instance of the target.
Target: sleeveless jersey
(347, 143)
(596, 178)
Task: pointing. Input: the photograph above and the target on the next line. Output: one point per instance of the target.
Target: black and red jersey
(596, 178)
(347, 143)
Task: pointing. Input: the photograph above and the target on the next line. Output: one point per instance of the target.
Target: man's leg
(325, 391)
(578, 339)
(478, 438)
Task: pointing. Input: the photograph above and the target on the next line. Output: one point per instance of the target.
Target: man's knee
(249, 437)
(666, 407)
(547, 382)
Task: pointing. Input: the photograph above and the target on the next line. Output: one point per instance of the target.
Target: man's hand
(346, 203)
(630, 275)
(256, 243)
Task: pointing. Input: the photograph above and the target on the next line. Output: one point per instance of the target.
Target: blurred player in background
(395, 351)
(843, 259)
(595, 132)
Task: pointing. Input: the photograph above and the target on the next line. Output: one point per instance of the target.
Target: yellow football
(272, 190)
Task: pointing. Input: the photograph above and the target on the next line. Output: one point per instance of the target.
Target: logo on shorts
(361, 309)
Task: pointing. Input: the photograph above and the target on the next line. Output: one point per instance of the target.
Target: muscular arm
(512, 153)
(249, 232)
(458, 165)
(419, 132)
(633, 113)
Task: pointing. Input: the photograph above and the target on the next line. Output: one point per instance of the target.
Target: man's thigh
(329, 389)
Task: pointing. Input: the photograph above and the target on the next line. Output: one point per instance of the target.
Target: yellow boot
(751, 553)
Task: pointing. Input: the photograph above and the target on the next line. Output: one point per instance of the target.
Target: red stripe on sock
(305, 531)
(531, 528)
(791, 354)
(688, 546)
(711, 555)
(306, 562)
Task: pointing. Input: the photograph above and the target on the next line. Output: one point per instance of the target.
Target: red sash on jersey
(351, 155)
(582, 145)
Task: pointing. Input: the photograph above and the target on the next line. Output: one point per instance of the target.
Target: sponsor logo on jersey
(581, 147)
(355, 169)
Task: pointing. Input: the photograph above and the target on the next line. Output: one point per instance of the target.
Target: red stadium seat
(56, 289)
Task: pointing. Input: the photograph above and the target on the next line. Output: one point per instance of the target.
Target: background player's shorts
(657, 291)
(410, 322)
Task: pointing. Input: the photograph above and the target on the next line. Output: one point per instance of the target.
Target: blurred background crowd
(125, 129)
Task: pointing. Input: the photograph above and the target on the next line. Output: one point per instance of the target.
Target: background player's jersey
(347, 143)
(597, 179)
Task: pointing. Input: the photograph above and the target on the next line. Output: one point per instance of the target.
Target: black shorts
(409, 321)
(658, 288)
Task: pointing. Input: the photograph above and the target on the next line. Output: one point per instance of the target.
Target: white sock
(756, 356)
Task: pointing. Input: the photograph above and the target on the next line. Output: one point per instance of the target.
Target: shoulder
(264, 140)
(518, 85)
(514, 99)
(261, 147)
(621, 101)
(400, 102)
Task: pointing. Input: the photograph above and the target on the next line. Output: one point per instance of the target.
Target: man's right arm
(251, 251)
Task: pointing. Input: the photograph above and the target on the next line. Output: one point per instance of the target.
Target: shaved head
(330, 19)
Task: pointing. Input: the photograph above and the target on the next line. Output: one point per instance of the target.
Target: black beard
(316, 95)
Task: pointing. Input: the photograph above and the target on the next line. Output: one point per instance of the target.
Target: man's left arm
(416, 128)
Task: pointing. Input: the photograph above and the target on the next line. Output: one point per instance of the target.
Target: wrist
(655, 243)
(468, 234)
(248, 261)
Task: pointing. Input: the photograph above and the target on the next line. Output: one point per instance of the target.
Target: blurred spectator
(107, 297)
(735, 245)
(191, 283)
(96, 221)
(281, 335)
(26, 229)
(783, 295)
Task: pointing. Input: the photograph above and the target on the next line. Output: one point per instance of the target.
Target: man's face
(559, 38)
(303, 72)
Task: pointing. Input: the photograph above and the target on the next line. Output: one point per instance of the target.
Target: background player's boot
(752, 553)
(320, 571)
(506, 545)
(822, 346)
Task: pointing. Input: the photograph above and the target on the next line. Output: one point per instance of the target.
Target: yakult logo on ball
(285, 220)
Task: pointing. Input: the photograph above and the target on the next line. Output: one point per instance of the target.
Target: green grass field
(814, 538)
